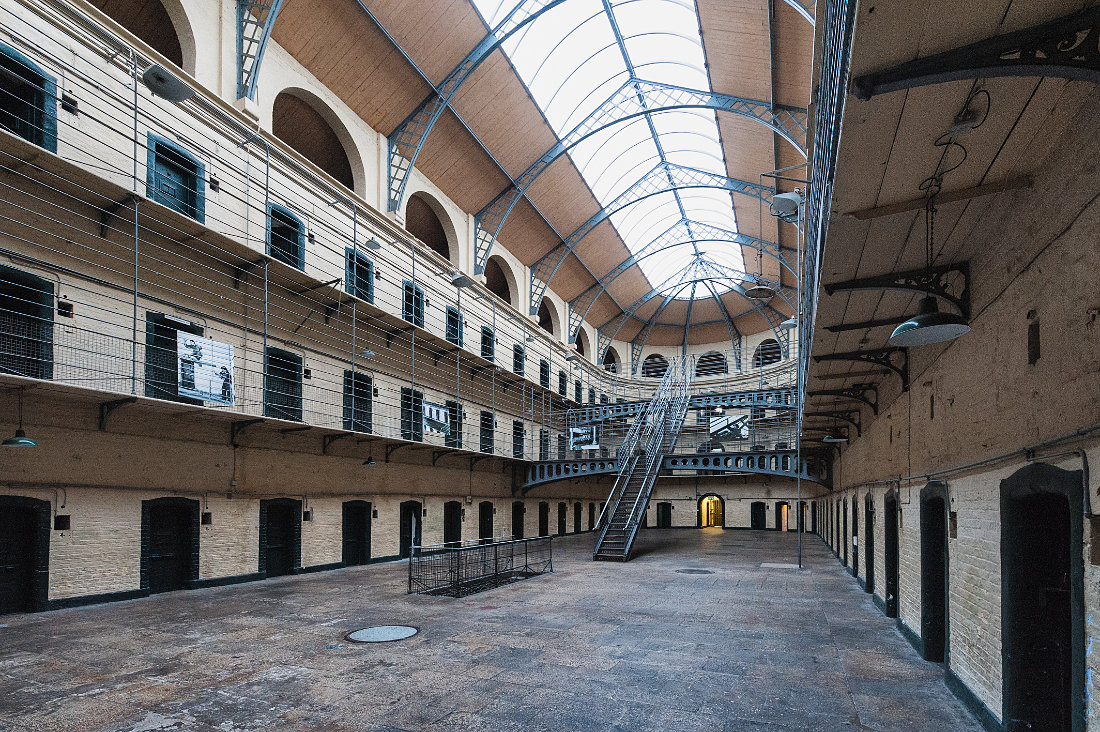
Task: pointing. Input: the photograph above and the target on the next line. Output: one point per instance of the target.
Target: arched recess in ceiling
(500, 280)
(424, 218)
(711, 363)
(303, 121)
(548, 318)
(163, 25)
(584, 345)
(611, 361)
(767, 353)
(654, 366)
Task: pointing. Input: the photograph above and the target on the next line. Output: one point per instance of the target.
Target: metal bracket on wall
(877, 356)
(856, 391)
(865, 324)
(932, 281)
(236, 428)
(475, 459)
(327, 440)
(844, 414)
(391, 449)
(107, 408)
(392, 334)
(110, 211)
(437, 454)
(1064, 48)
(290, 430)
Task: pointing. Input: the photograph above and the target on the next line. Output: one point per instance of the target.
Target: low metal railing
(457, 571)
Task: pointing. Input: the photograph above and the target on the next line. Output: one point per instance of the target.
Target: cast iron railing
(457, 571)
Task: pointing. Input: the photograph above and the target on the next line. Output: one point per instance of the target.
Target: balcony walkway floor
(593, 646)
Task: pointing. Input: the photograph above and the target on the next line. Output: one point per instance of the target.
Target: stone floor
(593, 646)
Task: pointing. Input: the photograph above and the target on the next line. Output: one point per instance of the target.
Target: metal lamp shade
(20, 440)
(929, 326)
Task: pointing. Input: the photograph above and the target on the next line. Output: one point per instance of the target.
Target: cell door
(452, 523)
(591, 516)
(518, 512)
(933, 571)
(283, 536)
(758, 515)
(544, 518)
(577, 518)
(563, 510)
(410, 527)
(1042, 600)
(664, 515)
(890, 555)
(17, 533)
(855, 533)
(869, 541)
(357, 515)
(169, 547)
(485, 522)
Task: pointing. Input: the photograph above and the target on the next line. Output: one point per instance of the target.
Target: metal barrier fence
(457, 571)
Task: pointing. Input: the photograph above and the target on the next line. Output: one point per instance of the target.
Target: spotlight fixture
(929, 326)
(366, 353)
(572, 357)
(372, 244)
(20, 439)
(166, 85)
(789, 324)
(531, 339)
(785, 206)
(460, 279)
(369, 461)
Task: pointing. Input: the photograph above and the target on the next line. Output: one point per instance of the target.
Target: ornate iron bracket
(289, 430)
(391, 449)
(327, 440)
(111, 210)
(107, 408)
(475, 459)
(856, 391)
(932, 281)
(843, 327)
(238, 427)
(879, 357)
(1066, 48)
(436, 454)
(844, 414)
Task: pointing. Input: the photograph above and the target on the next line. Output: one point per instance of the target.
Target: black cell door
(591, 516)
(758, 515)
(813, 517)
(169, 543)
(844, 532)
(933, 571)
(282, 539)
(563, 512)
(576, 518)
(17, 534)
(544, 518)
(664, 515)
(452, 523)
(1042, 606)
(357, 516)
(855, 533)
(485, 522)
(410, 526)
(869, 541)
(518, 511)
(890, 557)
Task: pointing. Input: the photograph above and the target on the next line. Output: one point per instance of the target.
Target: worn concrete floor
(590, 647)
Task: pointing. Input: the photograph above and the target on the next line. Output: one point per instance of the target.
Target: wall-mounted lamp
(372, 244)
(833, 438)
(785, 206)
(929, 326)
(20, 439)
(166, 85)
(366, 353)
(460, 279)
(369, 461)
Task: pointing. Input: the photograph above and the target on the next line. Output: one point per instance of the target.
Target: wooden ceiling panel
(340, 45)
(705, 309)
(571, 279)
(675, 312)
(751, 322)
(602, 250)
(603, 310)
(496, 106)
(453, 160)
(527, 235)
(735, 303)
(563, 196)
(715, 333)
(794, 52)
(436, 35)
(630, 286)
(737, 43)
(663, 335)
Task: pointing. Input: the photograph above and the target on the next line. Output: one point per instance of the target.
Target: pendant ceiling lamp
(929, 325)
(20, 439)
(760, 291)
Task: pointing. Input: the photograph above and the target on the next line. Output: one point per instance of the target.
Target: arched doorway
(518, 511)
(411, 515)
(1042, 599)
(813, 517)
(497, 281)
(890, 552)
(577, 517)
(591, 516)
(544, 518)
(664, 515)
(869, 541)
(169, 543)
(356, 532)
(855, 535)
(801, 516)
(758, 515)
(933, 570)
(611, 362)
(563, 517)
(844, 532)
(423, 221)
(546, 317)
(781, 508)
(485, 522)
(280, 536)
(300, 124)
(24, 554)
(712, 511)
(452, 523)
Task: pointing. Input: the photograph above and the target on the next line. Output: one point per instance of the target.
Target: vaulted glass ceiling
(577, 55)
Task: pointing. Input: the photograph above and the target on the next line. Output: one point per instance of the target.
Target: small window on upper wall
(519, 356)
(175, 178)
(28, 100)
(454, 325)
(577, 391)
(544, 374)
(412, 414)
(519, 436)
(767, 353)
(412, 304)
(286, 237)
(488, 428)
(711, 364)
(488, 343)
(563, 383)
(359, 275)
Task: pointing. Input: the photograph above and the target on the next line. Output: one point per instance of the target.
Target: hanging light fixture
(929, 325)
(760, 291)
(789, 324)
(833, 438)
(20, 439)
(369, 461)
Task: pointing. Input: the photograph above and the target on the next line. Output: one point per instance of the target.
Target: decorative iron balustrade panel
(465, 570)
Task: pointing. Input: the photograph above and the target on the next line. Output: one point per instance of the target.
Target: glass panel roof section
(573, 58)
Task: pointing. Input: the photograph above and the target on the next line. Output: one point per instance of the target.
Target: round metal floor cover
(694, 571)
(381, 633)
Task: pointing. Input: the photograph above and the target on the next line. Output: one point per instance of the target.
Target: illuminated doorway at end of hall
(711, 512)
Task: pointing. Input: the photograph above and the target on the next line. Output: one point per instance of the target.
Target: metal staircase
(652, 435)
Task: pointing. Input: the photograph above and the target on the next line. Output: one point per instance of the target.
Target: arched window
(767, 353)
(654, 366)
(298, 124)
(422, 222)
(546, 318)
(497, 281)
(711, 364)
(582, 343)
(149, 21)
(611, 361)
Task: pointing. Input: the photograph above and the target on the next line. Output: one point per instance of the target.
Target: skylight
(578, 54)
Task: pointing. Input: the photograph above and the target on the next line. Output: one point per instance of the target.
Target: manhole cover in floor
(381, 634)
(694, 571)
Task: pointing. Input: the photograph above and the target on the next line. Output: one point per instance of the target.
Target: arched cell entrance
(781, 508)
(712, 511)
(169, 543)
(563, 518)
(544, 518)
(664, 515)
(767, 353)
(869, 541)
(758, 515)
(485, 522)
(890, 552)
(304, 122)
(577, 518)
(498, 281)
(518, 511)
(855, 537)
(547, 320)
(933, 570)
(24, 554)
(452, 523)
(1042, 599)
(411, 521)
(356, 532)
(165, 29)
